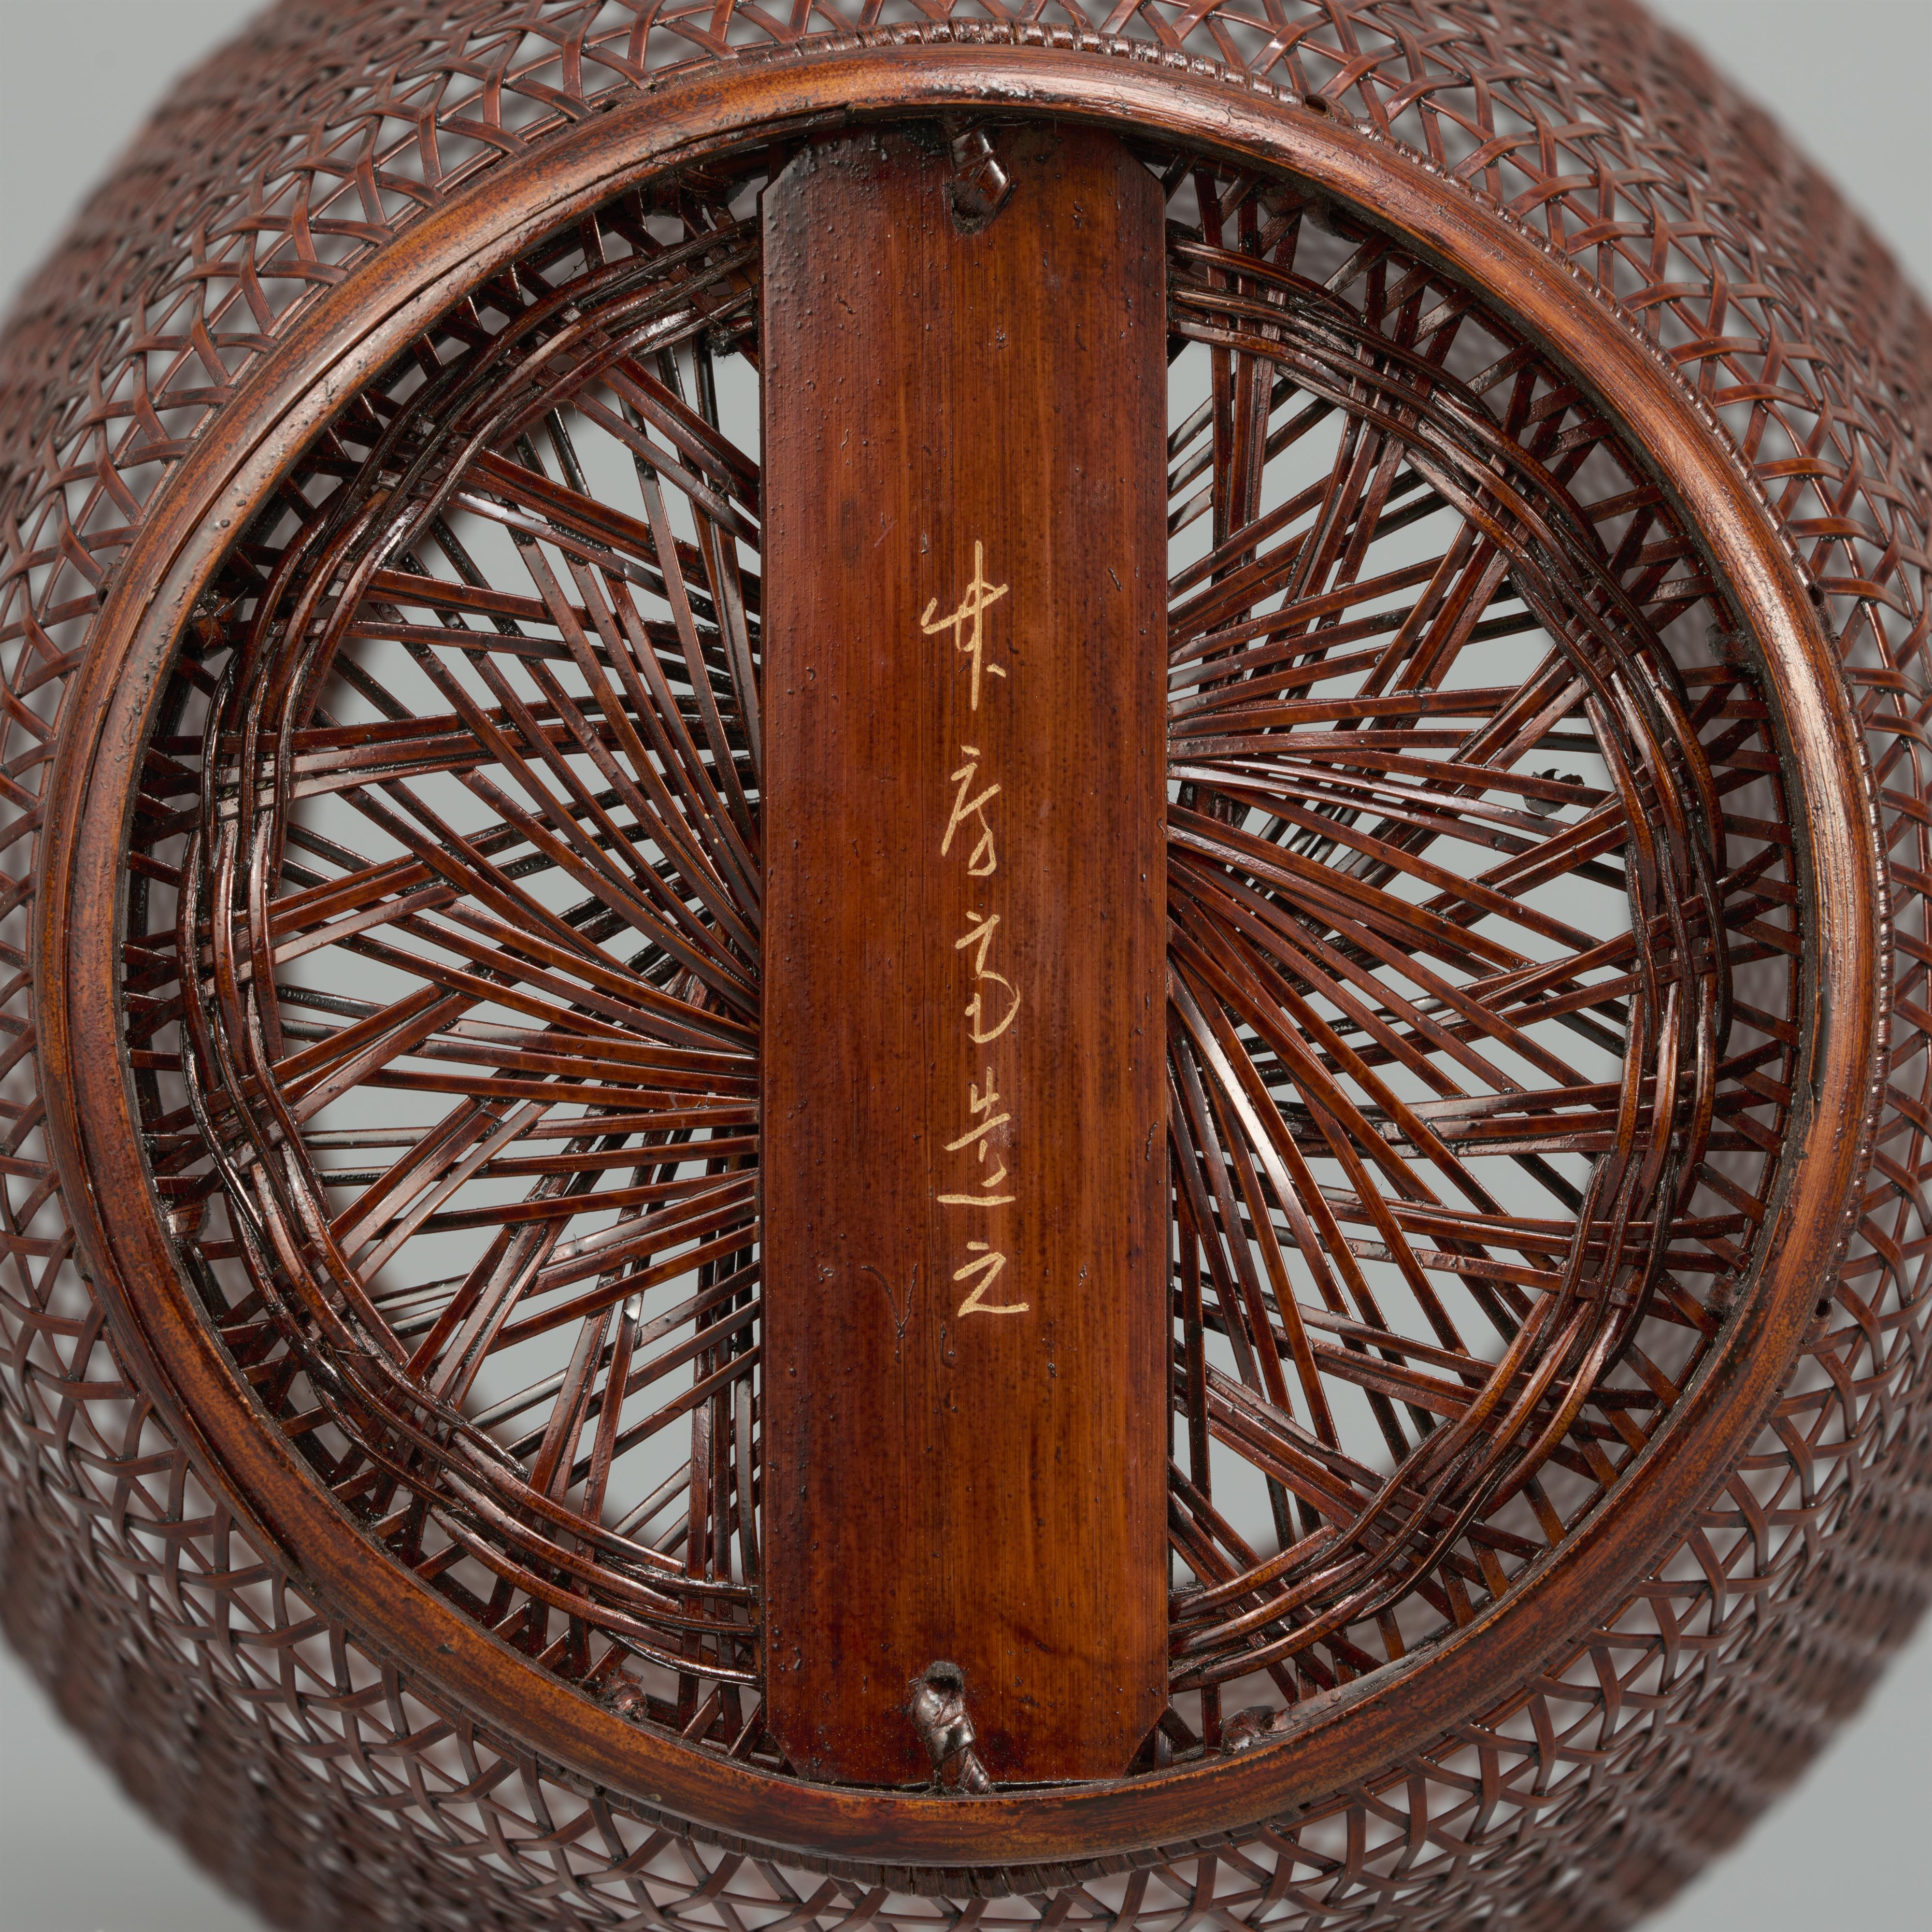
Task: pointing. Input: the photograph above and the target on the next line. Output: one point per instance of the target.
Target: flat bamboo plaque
(964, 1154)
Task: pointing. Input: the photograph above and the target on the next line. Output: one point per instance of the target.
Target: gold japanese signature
(990, 1014)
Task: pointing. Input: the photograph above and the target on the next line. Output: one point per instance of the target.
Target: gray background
(1848, 1848)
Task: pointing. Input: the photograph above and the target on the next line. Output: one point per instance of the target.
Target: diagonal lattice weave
(1591, 1793)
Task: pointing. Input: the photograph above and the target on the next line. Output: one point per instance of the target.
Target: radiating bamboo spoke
(1448, 952)
(479, 837)
(449, 1034)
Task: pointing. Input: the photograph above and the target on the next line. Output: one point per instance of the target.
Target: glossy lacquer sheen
(1551, 1616)
(965, 1156)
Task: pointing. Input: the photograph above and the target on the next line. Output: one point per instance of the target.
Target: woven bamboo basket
(489, 1439)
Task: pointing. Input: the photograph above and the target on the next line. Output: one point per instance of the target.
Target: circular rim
(346, 339)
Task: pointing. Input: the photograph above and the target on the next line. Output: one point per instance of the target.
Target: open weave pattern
(294, 1763)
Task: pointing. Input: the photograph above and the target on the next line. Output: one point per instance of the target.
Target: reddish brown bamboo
(403, 823)
(964, 1185)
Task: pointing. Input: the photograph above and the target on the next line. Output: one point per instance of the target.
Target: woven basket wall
(296, 1761)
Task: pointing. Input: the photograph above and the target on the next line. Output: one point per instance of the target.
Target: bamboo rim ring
(346, 338)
